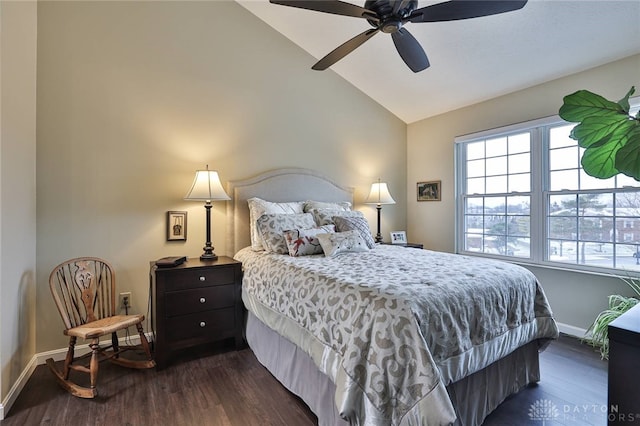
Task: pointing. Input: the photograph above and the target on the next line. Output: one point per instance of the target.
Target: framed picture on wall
(429, 191)
(176, 226)
(398, 237)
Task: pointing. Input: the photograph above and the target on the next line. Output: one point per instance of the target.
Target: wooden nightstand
(194, 303)
(411, 245)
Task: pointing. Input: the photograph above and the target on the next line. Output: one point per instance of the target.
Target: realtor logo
(543, 410)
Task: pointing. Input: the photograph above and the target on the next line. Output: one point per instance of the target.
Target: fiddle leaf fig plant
(607, 132)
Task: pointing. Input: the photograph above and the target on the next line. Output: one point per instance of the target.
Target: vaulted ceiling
(471, 60)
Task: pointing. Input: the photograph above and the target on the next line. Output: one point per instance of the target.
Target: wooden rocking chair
(84, 291)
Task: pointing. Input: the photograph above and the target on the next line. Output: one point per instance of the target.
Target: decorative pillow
(272, 227)
(312, 205)
(325, 216)
(341, 242)
(303, 242)
(258, 207)
(359, 224)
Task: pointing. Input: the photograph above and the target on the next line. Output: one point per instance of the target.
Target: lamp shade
(206, 187)
(379, 194)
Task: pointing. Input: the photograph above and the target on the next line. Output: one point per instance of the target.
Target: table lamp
(207, 187)
(379, 195)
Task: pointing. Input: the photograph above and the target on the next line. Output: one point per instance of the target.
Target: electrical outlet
(125, 300)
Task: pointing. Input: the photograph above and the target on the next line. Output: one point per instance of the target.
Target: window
(521, 193)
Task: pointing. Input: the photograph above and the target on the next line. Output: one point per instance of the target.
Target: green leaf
(595, 129)
(599, 161)
(627, 158)
(583, 103)
(624, 102)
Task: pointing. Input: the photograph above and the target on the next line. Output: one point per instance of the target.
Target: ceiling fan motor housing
(389, 22)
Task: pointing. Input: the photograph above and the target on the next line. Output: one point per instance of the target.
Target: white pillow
(325, 216)
(303, 242)
(258, 207)
(359, 224)
(341, 242)
(272, 227)
(311, 205)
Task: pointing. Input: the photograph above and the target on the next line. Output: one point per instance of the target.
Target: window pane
(562, 228)
(494, 205)
(624, 181)
(628, 203)
(564, 158)
(496, 166)
(475, 150)
(520, 163)
(496, 184)
(475, 186)
(520, 183)
(595, 229)
(520, 143)
(520, 205)
(496, 147)
(473, 242)
(475, 205)
(563, 251)
(474, 223)
(595, 254)
(589, 182)
(628, 257)
(595, 204)
(475, 168)
(519, 226)
(566, 179)
(559, 136)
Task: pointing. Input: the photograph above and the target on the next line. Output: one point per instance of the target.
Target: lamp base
(378, 238)
(208, 256)
(208, 252)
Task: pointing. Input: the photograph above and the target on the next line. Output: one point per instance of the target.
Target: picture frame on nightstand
(398, 237)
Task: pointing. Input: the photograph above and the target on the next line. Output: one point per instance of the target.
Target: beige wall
(18, 27)
(133, 97)
(576, 298)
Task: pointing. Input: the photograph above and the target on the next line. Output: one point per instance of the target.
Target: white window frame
(539, 233)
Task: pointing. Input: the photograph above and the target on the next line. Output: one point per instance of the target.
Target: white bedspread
(393, 326)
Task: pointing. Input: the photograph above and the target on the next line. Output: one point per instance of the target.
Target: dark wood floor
(232, 388)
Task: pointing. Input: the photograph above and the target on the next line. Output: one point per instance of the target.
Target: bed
(388, 335)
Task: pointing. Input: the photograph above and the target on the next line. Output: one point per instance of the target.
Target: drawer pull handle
(202, 324)
(202, 300)
(202, 278)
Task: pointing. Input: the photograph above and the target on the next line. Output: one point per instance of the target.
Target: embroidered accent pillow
(359, 224)
(272, 227)
(258, 207)
(325, 216)
(341, 242)
(303, 242)
(315, 205)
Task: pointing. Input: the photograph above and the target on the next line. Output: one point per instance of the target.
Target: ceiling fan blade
(464, 9)
(344, 49)
(410, 50)
(335, 7)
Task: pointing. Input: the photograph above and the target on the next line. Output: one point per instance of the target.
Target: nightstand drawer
(200, 299)
(200, 277)
(218, 322)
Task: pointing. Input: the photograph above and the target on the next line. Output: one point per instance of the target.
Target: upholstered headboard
(280, 185)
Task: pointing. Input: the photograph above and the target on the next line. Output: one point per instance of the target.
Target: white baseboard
(17, 387)
(57, 355)
(571, 330)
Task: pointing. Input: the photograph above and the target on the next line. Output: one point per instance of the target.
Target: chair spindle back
(83, 290)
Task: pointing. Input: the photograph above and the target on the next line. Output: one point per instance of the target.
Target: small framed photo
(429, 191)
(398, 237)
(176, 226)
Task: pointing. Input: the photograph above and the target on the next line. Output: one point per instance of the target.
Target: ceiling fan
(389, 16)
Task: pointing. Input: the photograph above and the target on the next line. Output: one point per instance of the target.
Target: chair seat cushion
(104, 326)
